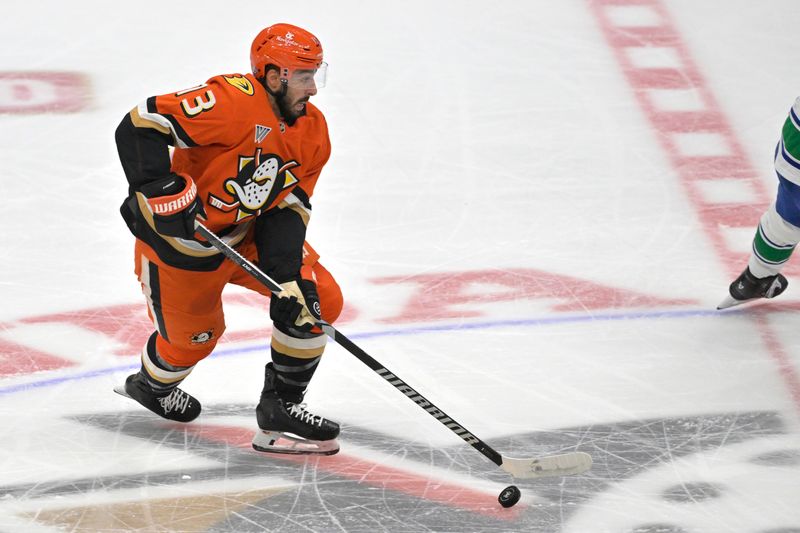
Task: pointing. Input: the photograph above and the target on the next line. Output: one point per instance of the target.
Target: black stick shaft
(237, 258)
(413, 395)
(360, 354)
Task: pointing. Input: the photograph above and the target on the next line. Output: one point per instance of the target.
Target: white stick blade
(553, 465)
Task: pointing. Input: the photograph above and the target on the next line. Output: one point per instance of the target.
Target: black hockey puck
(510, 496)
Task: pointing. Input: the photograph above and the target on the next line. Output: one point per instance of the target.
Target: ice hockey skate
(177, 405)
(748, 287)
(285, 426)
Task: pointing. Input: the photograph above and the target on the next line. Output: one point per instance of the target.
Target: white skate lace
(298, 410)
(177, 400)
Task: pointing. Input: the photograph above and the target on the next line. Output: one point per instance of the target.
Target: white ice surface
(467, 136)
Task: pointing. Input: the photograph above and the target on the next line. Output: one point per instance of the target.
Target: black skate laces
(177, 400)
(298, 411)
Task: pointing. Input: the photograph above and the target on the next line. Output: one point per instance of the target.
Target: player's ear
(272, 80)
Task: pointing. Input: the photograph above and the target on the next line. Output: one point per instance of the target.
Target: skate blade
(120, 389)
(278, 442)
(730, 301)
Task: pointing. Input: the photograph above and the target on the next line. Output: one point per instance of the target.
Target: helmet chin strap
(280, 100)
(275, 94)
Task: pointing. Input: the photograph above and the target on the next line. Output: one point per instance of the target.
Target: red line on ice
(373, 474)
(729, 162)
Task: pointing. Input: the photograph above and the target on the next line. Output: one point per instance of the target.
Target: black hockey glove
(296, 306)
(174, 203)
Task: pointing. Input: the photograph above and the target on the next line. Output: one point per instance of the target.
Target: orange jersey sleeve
(243, 159)
(206, 115)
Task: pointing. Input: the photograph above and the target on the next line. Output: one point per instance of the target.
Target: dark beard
(288, 115)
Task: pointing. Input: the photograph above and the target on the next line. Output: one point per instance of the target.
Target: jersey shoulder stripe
(791, 132)
(787, 153)
(145, 115)
(210, 113)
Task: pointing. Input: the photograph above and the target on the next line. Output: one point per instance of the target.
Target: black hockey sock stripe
(159, 374)
(293, 371)
(156, 385)
(155, 299)
(155, 358)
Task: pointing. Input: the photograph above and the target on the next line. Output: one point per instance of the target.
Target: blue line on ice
(533, 322)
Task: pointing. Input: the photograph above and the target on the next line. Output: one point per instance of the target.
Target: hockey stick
(534, 467)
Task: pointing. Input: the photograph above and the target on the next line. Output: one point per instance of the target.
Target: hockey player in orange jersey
(248, 150)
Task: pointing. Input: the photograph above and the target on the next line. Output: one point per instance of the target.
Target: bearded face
(290, 96)
(292, 106)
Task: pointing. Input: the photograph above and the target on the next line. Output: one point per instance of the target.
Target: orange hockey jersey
(243, 159)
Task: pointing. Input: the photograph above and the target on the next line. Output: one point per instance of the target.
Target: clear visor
(309, 78)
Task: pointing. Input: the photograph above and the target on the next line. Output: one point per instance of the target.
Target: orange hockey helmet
(287, 47)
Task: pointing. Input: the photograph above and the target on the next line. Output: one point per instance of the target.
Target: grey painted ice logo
(674, 474)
